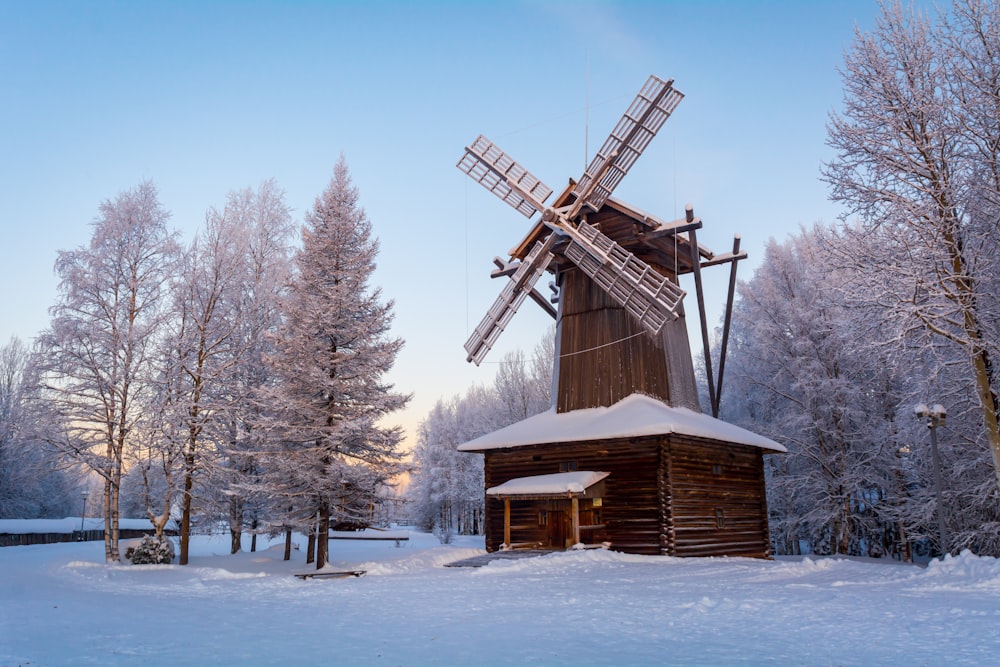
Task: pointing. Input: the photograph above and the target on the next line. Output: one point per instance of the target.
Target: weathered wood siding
(604, 356)
(631, 507)
(665, 495)
(718, 504)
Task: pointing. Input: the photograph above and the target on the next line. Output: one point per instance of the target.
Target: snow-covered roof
(555, 484)
(632, 417)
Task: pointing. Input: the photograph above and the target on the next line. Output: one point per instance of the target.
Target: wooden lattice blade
(500, 174)
(510, 299)
(647, 295)
(642, 120)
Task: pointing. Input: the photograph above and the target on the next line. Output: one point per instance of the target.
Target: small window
(567, 466)
(720, 518)
(716, 469)
(543, 518)
(536, 457)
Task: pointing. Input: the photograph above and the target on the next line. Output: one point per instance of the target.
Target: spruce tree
(332, 353)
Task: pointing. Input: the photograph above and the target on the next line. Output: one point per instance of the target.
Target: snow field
(61, 605)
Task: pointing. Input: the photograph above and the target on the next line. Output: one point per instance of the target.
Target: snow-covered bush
(151, 551)
(444, 533)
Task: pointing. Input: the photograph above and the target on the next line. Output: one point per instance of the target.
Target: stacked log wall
(630, 511)
(718, 501)
(666, 495)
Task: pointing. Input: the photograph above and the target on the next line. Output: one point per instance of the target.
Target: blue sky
(207, 97)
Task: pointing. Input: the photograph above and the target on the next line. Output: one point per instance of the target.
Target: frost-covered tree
(97, 358)
(224, 304)
(332, 353)
(30, 486)
(816, 366)
(918, 163)
(807, 371)
(266, 223)
(446, 488)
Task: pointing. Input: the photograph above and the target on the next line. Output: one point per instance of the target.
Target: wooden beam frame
(506, 523)
(736, 256)
(574, 519)
(700, 293)
(507, 269)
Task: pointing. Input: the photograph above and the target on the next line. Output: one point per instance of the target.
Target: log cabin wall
(664, 495)
(630, 506)
(718, 504)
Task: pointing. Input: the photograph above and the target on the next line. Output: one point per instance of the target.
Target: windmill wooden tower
(620, 331)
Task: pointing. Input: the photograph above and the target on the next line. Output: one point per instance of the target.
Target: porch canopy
(573, 485)
(556, 485)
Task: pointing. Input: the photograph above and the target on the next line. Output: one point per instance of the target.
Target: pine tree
(332, 352)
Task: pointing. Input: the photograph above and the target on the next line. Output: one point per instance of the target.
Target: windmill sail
(642, 120)
(500, 174)
(647, 295)
(519, 285)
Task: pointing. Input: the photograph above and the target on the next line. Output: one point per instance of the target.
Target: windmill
(620, 323)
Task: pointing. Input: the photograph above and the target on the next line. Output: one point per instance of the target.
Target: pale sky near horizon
(206, 97)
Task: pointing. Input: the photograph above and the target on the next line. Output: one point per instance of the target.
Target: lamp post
(84, 494)
(935, 416)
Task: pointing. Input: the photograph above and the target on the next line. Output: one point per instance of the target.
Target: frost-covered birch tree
(918, 163)
(224, 292)
(266, 222)
(97, 357)
(332, 353)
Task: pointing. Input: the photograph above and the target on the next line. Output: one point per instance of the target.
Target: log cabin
(639, 476)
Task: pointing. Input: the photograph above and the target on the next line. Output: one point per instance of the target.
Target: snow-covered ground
(61, 605)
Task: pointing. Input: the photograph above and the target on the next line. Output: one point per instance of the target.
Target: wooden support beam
(507, 269)
(540, 299)
(672, 228)
(724, 258)
(575, 519)
(504, 269)
(506, 522)
(729, 315)
(700, 293)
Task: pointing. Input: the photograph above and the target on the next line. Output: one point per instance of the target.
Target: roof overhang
(635, 416)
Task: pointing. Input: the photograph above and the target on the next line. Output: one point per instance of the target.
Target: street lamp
(935, 416)
(84, 494)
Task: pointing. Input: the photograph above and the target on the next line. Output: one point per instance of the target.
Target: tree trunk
(288, 544)
(115, 489)
(988, 403)
(235, 525)
(311, 546)
(323, 536)
(186, 514)
(844, 544)
(107, 518)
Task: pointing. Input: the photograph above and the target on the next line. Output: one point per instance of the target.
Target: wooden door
(558, 525)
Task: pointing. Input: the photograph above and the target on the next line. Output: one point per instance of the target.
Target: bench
(381, 538)
(329, 575)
